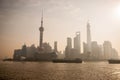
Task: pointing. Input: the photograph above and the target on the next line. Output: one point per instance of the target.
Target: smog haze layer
(20, 21)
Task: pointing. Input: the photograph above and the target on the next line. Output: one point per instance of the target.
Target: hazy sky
(20, 22)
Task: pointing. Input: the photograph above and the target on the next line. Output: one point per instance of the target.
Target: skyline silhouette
(44, 52)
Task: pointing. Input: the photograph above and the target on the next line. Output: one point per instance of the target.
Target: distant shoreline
(10, 59)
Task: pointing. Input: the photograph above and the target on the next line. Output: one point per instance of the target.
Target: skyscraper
(41, 29)
(94, 50)
(88, 38)
(68, 47)
(84, 47)
(55, 46)
(107, 46)
(77, 42)
(69, 42)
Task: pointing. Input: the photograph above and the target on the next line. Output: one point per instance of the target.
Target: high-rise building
(68, 47)
(100, 51)
(77, 42)
(114, 53)
(107, 46)
(84, 48)
(41, 29)
(94, 50)
(109, 52)
(88, 38)
(55, 46)
(24, 50)
(69, 42)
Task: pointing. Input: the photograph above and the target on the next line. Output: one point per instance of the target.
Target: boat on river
(114, 61)
(67, 61)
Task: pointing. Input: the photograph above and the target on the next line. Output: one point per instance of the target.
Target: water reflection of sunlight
(116, 73)
(116, 70)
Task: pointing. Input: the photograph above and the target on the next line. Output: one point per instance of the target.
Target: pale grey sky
(20, 22)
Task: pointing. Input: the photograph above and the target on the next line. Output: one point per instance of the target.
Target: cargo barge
(67, 61)
(114, 61)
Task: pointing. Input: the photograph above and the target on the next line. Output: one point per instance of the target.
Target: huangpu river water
(59, 71)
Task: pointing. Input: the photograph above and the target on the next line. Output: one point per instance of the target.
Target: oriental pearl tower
(41, 29)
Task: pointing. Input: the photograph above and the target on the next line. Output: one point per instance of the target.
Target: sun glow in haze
(117, 11)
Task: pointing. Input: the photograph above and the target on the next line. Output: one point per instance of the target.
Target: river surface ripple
(59, 71)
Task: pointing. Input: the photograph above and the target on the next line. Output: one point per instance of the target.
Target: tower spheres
(43, 52)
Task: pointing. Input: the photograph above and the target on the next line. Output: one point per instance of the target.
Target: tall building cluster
(91, 49)
(43, 52)
(71, 53)
(109, 51)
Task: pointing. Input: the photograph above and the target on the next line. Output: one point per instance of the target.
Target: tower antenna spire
(42, 15)
(42, 19)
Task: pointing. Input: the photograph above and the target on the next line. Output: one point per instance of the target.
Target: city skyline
(15, 32)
